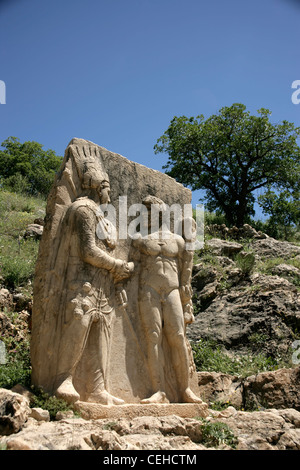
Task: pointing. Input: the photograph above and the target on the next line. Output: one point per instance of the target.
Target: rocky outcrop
(243, 299)
(271, 248)
(228, 429)
(223, 247)
(260, 314)
(245, 232)
(217, 387)
(273, 389)
(263, 430)
(14, 411)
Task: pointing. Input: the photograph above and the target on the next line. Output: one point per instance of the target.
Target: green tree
(230, 155)
(283, 207)
(26, 167)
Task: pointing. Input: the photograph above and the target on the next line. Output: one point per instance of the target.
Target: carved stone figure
(81, 289)
(109, 312)
(165, 305)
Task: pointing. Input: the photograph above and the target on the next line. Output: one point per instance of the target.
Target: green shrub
(12, 201)
(246, 262)
(216, 434)
(17, 367)
(212, 218)
(17, 183)
(212, 357)
(47, 402)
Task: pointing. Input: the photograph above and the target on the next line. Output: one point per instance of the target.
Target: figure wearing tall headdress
(74, 289)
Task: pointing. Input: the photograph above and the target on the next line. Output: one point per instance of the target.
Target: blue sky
(117, 71)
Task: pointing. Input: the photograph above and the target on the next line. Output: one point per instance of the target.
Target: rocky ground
(30, 429)
(247, 301)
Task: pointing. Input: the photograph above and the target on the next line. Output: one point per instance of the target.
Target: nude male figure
(163, 291)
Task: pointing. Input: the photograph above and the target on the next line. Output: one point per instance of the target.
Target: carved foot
(67, 392)
(105, 398)
(158, 397)
(189, 397)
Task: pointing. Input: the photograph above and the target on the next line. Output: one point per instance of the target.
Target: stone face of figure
(164, 291)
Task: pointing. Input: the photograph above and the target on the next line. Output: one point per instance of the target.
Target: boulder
(14, 411)
(40, 414)
(275, 389)
(286, 270)
(5, 298)
(263, 430)
(272, 389)
(34, 231)
(22, 301)
(64, 415)
(24, 391)
(271, 248)
(223, 247)
(219, 387)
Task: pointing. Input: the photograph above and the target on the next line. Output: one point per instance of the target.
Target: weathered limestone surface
(14, 411)
(259, 430)
(89, 342)
(130, 411)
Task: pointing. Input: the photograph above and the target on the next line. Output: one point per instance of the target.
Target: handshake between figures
(122, 270)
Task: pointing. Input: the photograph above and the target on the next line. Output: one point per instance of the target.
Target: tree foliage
(26, 167)
(283, 208)
(230, 155)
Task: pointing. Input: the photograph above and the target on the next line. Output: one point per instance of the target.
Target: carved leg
(150, 310)
(97, 358)
(75, 334)
(175, 332)
(66, 391)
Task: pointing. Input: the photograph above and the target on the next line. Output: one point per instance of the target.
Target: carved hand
(185, 293)
(122, 270)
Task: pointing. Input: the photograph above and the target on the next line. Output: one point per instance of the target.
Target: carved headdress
(82, 168)
(89, 165)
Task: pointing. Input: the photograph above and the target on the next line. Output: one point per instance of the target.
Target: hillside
(247, 297)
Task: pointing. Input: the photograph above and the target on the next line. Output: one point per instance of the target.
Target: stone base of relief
(108, 314)
(130, 411)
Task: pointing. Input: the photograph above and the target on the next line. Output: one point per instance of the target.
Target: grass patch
(17, 211)
(17, 255)
(215, 434)
(268, 266)
(17, 261)
(210, 356)
(17, 366)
